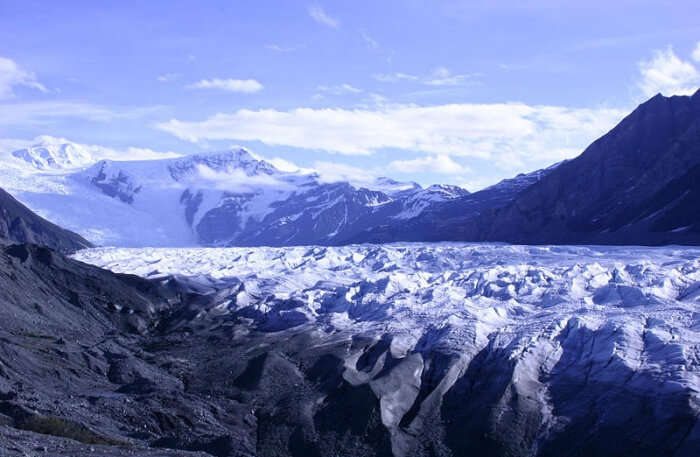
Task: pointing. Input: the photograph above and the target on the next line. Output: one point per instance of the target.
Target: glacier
(504, 349)
(224, 198)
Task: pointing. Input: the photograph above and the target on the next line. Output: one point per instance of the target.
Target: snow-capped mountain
(637, 184)
(221, 198)
(55, 153)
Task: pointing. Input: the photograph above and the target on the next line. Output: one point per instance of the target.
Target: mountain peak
(448, 190)
(50, 153)
(221, 161)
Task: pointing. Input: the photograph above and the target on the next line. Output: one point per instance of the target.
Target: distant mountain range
(638, 184)
(216, 199)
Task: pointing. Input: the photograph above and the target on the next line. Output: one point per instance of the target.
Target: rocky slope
(70, 340)
(19, 224)
(465, 218)
(638, 184)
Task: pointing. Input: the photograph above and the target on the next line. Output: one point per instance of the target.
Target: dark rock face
(638, 184)
(464, 218)
(76, 377)
(119, 186)
(318, 214)
(19, 224)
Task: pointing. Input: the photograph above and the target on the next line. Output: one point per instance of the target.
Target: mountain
(374, 350)
(462, 218)
(55, 153)
(638, 184)
(20, 225)
(215, 199)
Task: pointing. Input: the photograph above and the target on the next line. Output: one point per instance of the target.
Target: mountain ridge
(19, 224)
(604, 195)
(222, 198)
(634, 185)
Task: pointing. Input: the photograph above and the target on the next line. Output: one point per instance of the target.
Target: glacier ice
(522, 296)
(483, 348)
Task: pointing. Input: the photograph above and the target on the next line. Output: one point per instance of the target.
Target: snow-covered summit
(447, 190)
(221, 161)
(55, 153)
(229, 197)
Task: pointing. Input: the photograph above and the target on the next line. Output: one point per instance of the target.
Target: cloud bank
(668, 74)
(247, 86)
(505, 132)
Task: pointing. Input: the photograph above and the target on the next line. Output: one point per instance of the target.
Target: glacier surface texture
(458, 348)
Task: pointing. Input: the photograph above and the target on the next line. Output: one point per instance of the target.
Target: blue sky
(461, 92)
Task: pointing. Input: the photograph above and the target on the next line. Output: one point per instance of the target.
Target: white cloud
(278, 162)
(371, 42)
(394, 77)
(338, 172)
(478, 183)
(286, 165)
(278, 48)
(135, 153)
(441, 76)
(238, 181)
(696, 52)
(8, 145)
(231, 85)
(441, 164)
(167, 77)
(45, 112)
(319, 15)
(668, 74)
(12, 75)
(508, 133)
(340, 89)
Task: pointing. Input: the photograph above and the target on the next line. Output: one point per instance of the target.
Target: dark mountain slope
(638, 184)
(460, 219)
(20, 225)
(76, 377)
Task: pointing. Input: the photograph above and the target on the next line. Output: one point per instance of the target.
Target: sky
(433, 91)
